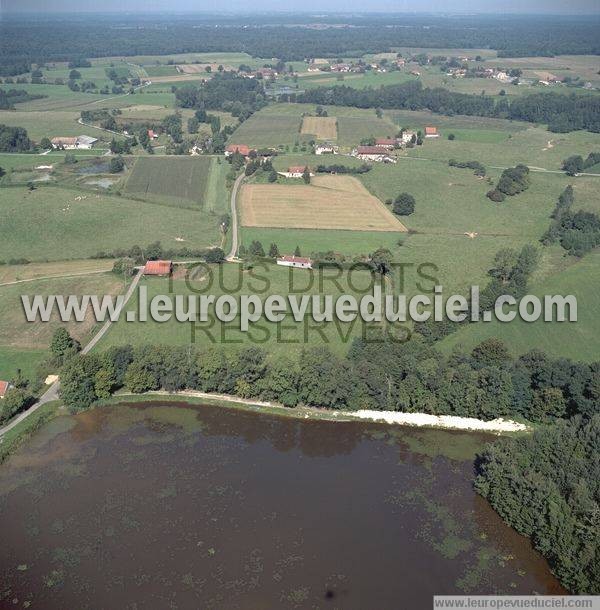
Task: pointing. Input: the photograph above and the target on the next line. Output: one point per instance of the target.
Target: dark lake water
(174, 506)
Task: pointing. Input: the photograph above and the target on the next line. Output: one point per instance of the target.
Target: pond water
(101, 182)
(179, 506)
(95, 168)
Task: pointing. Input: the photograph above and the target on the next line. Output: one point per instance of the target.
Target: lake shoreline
(412, 420)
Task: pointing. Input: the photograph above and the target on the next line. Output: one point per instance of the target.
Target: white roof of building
(86, 140)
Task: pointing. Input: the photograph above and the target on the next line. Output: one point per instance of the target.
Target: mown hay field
(323, 128)
(329, 202)
(174, 180)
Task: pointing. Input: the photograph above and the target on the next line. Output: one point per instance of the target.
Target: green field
(578, 340)
(56, 223)
(310, 241)
(179, 181)
(264, 279)
(26, 360)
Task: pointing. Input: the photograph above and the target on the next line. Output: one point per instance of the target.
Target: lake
(186, 506)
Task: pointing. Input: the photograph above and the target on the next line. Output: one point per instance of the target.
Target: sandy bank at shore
(424, 420)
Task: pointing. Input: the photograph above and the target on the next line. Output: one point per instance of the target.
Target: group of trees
(342, 169)
(561, 112)
(509, 275)
(14, 139)
(476, 166)
(576, 164)
(10, 97)
(578, 232)
(547, 487)
(513, 180)
(155, 251)
(224, 91)
(403, 204)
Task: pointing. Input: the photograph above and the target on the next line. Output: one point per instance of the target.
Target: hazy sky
(458, 6)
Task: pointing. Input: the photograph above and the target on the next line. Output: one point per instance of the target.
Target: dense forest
(561, 112)
(547, 486)
(286, 37)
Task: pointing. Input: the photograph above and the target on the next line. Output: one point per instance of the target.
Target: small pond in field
(178, 506)
(102, 182)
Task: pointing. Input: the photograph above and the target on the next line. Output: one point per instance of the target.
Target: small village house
(152, 135)
(431, 132)
(242, 149)
(299, 262)
(160, 268)
(296, 171)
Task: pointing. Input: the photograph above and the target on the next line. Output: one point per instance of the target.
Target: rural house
(295, 261)
(373, 153)
(431, 132)
(158, 268)
(152, 135)
(295, 171)
(243, 149)
(69, 143)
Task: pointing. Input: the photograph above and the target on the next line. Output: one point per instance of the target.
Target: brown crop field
(323, 128)
(329, 202)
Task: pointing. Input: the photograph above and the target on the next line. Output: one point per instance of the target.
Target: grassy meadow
(264, 279)
(54, 223)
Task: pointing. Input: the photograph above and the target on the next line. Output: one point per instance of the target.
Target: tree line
(561, 112)
(382, 374)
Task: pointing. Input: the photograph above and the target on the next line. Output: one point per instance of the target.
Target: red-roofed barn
(158, 268)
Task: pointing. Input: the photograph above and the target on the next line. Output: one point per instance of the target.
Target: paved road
(234, 219)
(52, 392)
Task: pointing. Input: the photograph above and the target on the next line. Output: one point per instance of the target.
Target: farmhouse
(373, 153)
(314, 68)
(326, 149)
(243, 149)
(158, 268)
(295, 171)
(152, 135)
(4, 387)
(69, 143)
(389, 143)
(431, 132)
(295, 261)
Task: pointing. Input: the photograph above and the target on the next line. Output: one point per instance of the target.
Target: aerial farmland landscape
(299, 307)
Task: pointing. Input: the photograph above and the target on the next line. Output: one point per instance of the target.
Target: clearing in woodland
(329, 202)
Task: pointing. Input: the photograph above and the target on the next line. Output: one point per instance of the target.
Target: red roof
(296, 169)
(3, 388)
(158, 268)
(385, 142)
(296, 259)
(243, 149)
(151, 133)
(371, 150)
(430, 130)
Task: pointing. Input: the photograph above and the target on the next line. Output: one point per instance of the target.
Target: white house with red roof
(299, 262)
